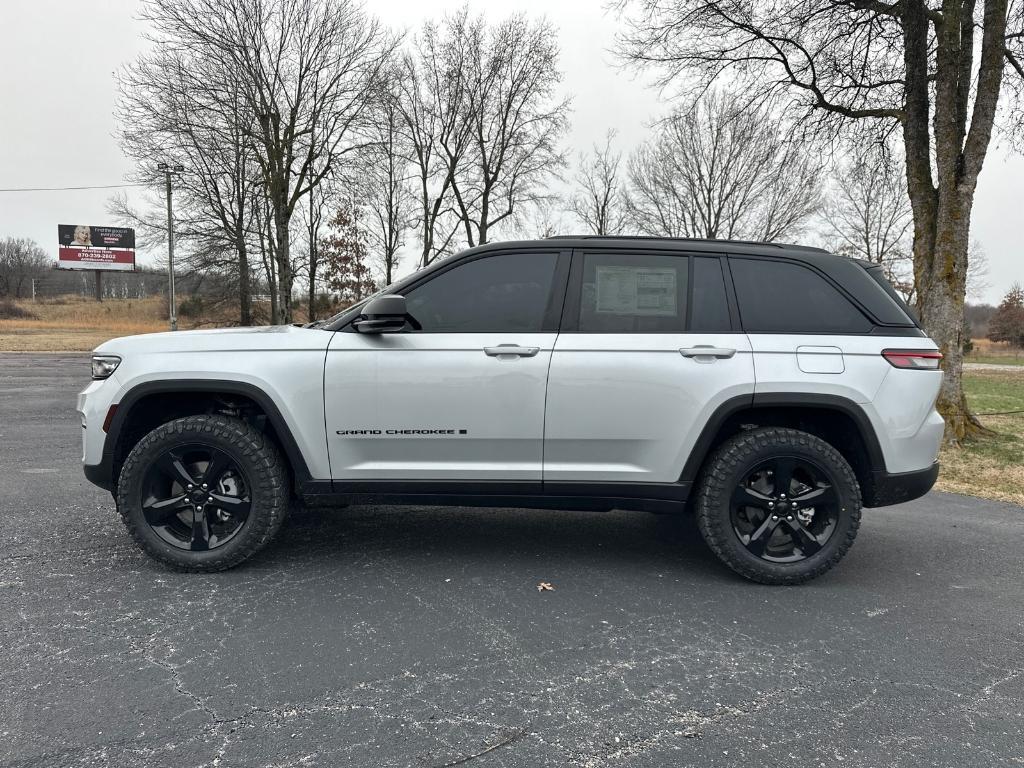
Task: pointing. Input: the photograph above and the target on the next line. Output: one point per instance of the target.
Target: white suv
(773, 389)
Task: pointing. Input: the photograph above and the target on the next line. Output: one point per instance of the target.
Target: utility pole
(169, 170)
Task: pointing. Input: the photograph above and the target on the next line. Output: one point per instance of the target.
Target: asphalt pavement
(418, 636)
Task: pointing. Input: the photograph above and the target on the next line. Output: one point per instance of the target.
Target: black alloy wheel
(778, 505)
(195, 497)
(203, 493)
(785, 509)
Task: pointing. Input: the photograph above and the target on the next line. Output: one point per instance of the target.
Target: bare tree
(182, 107)
(932, 70)
(721, 170)
(868, 214)
(384, 182)
(600, 198)
(318, 206)
(21, 260)
(305, 69)
(433, 96)
(516, 121)
(547, 219)
(977, 271)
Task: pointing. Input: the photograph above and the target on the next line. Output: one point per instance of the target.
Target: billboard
(83, 246)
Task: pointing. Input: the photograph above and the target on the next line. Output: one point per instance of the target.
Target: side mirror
(384, 314)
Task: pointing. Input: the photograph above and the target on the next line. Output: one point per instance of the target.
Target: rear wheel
(203, 493)
(778, 506)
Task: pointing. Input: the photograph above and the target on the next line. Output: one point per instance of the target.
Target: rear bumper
(889, 488)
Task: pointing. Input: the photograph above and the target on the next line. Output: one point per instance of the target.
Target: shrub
(11, 311)
(191, 306)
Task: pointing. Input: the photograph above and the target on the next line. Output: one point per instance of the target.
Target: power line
(66, 189)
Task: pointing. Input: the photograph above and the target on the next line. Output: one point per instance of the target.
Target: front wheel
(778, 506)
(203, 493)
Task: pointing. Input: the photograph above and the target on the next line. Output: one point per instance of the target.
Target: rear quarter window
(878, 275)
(784, 297)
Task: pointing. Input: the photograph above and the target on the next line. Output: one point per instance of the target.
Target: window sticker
(648, 291)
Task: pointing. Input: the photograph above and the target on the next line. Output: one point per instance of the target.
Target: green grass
(988, 393)
(992, 465)
(995, 359)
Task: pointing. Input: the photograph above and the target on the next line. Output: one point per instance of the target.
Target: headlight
(104, 365)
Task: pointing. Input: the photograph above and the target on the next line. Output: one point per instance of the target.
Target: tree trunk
(267, 254)
(282, 255)
(312, 277)
(940, 266)
(244, 284)
(942, 206)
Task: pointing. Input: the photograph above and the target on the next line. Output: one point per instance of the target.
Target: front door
(462, 398)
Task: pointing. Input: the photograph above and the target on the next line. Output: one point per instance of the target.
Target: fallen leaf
(545, 587)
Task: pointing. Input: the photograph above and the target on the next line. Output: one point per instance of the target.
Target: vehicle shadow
(619, 539)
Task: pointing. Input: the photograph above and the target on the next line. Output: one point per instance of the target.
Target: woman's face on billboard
(82, 235)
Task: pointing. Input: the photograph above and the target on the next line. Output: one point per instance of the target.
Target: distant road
(993, 367)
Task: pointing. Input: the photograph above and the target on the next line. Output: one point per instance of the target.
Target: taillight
(921, 359)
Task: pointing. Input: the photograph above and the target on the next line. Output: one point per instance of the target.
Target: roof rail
(787, 246)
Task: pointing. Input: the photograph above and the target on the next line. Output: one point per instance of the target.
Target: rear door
(807, 336)
(461, 398)
(649, 348)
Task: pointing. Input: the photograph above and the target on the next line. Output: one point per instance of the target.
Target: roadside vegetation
(990, 465)
(75, 323)
(994, 353)
(80, 324)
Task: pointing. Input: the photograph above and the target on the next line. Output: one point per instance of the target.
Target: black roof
(693, 245)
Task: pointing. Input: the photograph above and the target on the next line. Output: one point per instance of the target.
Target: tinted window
(633, 293)
(879, 277)
(780, 297)
(709, 312)
(506, 293)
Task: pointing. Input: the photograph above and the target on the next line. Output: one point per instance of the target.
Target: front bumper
(93, 405)
(100, 474)
(888, 488)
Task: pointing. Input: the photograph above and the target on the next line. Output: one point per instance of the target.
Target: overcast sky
(57, 125)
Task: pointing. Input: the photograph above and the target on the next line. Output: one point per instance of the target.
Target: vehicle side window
(633, 293)
(496, 294)
(781, 297)
(709, 310)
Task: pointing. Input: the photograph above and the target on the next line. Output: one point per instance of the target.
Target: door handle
(707, 352)
(511, 349)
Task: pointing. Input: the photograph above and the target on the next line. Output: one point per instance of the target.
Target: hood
(268, 337)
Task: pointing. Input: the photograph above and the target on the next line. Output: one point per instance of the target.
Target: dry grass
(992, 466)
(73, 323)
(78, 324)
(999, 353)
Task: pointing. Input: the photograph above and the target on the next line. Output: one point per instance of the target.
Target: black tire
(814, 515)
(254, 467)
